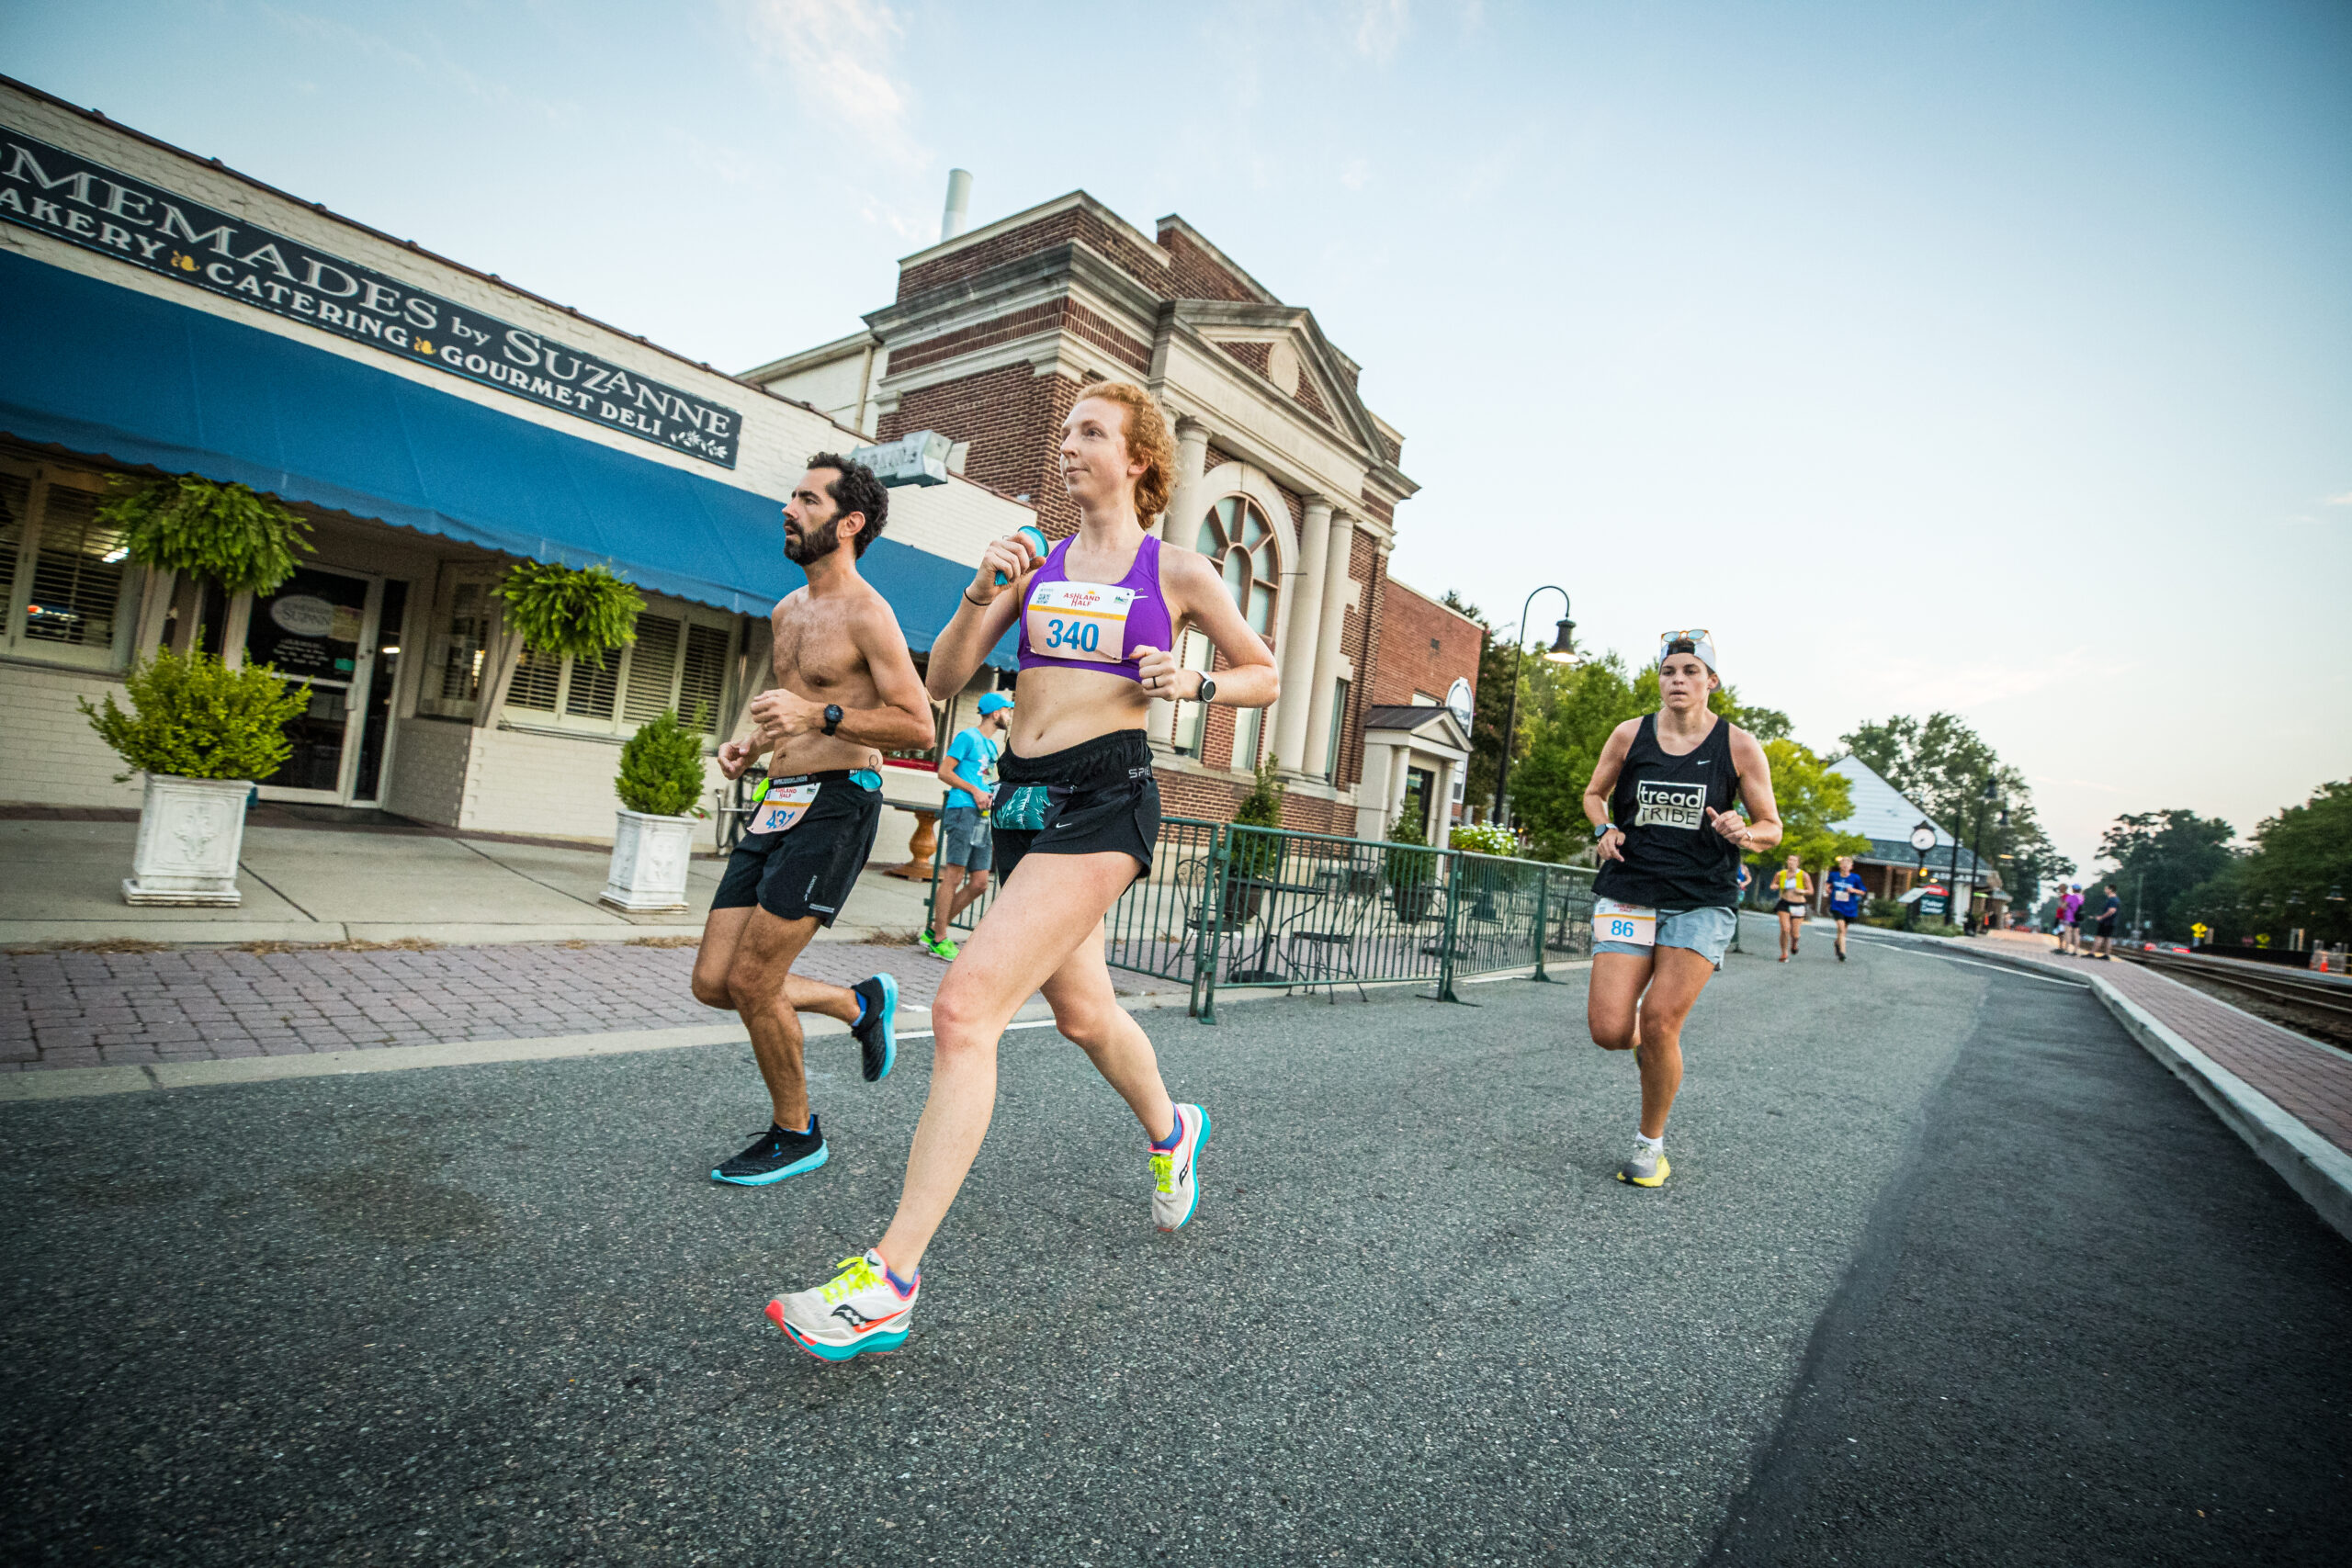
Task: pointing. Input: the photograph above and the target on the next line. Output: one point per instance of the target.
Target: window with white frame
(65, 579)
(1236, 537)
(679, 661)
(1247, 724)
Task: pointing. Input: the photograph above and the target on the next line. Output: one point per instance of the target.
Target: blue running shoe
(878, 1032)
(774, 1156)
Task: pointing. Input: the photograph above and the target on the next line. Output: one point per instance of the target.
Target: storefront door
(320, 628)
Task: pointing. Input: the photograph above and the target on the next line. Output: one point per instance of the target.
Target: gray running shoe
(1648, 1167)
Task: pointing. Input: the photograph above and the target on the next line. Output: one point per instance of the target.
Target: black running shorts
(809, 868)
(1095, 796)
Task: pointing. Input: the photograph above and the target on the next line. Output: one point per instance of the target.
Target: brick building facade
(1283, 472)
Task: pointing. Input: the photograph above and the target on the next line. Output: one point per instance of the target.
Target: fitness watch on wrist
(1602, 830)
(832, 718)
(1207, 691)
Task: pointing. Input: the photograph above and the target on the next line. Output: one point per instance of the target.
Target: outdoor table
(1264, 974)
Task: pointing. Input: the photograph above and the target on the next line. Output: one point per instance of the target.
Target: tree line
(2177, 870)
(1566, 713)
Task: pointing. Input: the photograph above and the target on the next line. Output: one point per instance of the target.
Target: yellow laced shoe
(858, 1312)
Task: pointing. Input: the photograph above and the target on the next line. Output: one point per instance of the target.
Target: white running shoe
(858, 1312)
(1176, 1187)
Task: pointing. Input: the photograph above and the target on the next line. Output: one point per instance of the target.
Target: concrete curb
(76, 1083)
(194, 932)
(2315, 1169)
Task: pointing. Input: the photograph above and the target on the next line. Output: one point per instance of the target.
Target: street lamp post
(1976, 845)
(1562, 651)
(1923, 838)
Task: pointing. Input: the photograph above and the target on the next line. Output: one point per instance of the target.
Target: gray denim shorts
(964, 838)
(1704, 932)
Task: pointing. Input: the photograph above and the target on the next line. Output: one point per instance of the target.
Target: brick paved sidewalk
(90, 1010)
(2309, 1081)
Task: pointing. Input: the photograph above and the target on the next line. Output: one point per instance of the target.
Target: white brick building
(161, 314)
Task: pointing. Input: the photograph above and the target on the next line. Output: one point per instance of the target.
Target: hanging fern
(560, 611)
(222, 532)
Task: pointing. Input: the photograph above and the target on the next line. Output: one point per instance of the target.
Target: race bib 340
(1080, 620)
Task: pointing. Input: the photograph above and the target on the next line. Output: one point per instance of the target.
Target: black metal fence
(1229, 906)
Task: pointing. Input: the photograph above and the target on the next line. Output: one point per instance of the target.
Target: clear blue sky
(1989, 357)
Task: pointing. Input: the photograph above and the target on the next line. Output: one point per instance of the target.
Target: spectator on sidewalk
(968, 770)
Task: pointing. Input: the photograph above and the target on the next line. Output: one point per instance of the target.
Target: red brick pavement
(90, 1010)
(2310, 1081)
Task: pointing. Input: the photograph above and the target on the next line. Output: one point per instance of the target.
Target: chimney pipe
(959, 203)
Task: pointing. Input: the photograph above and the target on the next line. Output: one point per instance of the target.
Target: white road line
(1029, 1024)
(1950, 958)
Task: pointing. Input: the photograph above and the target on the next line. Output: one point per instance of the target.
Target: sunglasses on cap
(1696, 640)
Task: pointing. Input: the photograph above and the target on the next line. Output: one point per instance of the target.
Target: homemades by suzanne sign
(99, 208)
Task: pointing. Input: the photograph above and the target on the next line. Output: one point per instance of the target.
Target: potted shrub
(1410, 872)
(1255, 858)
(660, 784)
(202, 733)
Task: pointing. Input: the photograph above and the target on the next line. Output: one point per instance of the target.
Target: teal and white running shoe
(860, 1311)
(1176, 1187)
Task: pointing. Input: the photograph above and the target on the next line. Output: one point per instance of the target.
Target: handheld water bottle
(1036, 537)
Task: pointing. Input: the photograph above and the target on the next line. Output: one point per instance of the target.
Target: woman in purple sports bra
(1076, 814)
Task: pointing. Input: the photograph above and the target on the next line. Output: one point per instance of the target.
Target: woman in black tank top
(1661, 803)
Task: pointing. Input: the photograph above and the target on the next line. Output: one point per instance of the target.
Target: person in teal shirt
(968, 770)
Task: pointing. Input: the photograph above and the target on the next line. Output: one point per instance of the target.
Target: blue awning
(111, 372)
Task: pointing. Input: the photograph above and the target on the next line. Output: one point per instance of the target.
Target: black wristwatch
(832, 718)
(1209, 690)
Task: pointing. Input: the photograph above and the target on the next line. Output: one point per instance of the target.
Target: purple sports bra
(1067, 625)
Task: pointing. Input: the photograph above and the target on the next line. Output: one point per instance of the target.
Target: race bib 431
(780, 806)
(1634, 923)
(1084, 621)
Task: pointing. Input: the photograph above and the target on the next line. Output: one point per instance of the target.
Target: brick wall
(524, 782)
(1032, 239)
(1197, 794)
(1409, 622)
(430, 758)
(1011, 416)
(1257, 356)
(1052, 315)
(53, 757)
(1196, 275)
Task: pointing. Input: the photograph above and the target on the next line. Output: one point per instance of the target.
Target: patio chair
(1322, 948)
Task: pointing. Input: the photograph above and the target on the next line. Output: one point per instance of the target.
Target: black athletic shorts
(810, 868)
(1788, 906)
(1090, 797)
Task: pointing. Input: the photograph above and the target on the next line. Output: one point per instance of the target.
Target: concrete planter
(649, 858)
(190, 833)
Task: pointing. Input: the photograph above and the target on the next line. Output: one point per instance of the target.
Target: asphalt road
(498, 1314)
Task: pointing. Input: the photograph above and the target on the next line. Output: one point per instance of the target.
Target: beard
(802, 549)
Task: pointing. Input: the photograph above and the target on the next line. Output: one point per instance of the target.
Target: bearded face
(801, 548)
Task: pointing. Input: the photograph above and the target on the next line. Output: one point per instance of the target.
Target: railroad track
(2288, 988)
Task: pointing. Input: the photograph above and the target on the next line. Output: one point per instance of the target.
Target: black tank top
(1674, 859)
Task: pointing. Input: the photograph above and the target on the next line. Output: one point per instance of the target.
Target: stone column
(1302, 591)
(1180, 524)
(1331, 622)
(1442, 812)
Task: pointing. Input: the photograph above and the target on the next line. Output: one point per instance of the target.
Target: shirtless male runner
(845, 687)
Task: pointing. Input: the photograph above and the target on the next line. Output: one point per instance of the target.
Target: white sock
(1645, 1139)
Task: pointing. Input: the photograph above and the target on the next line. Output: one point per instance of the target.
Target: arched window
(1236, 537)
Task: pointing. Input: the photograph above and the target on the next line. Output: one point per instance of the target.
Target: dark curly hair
(855, 489)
